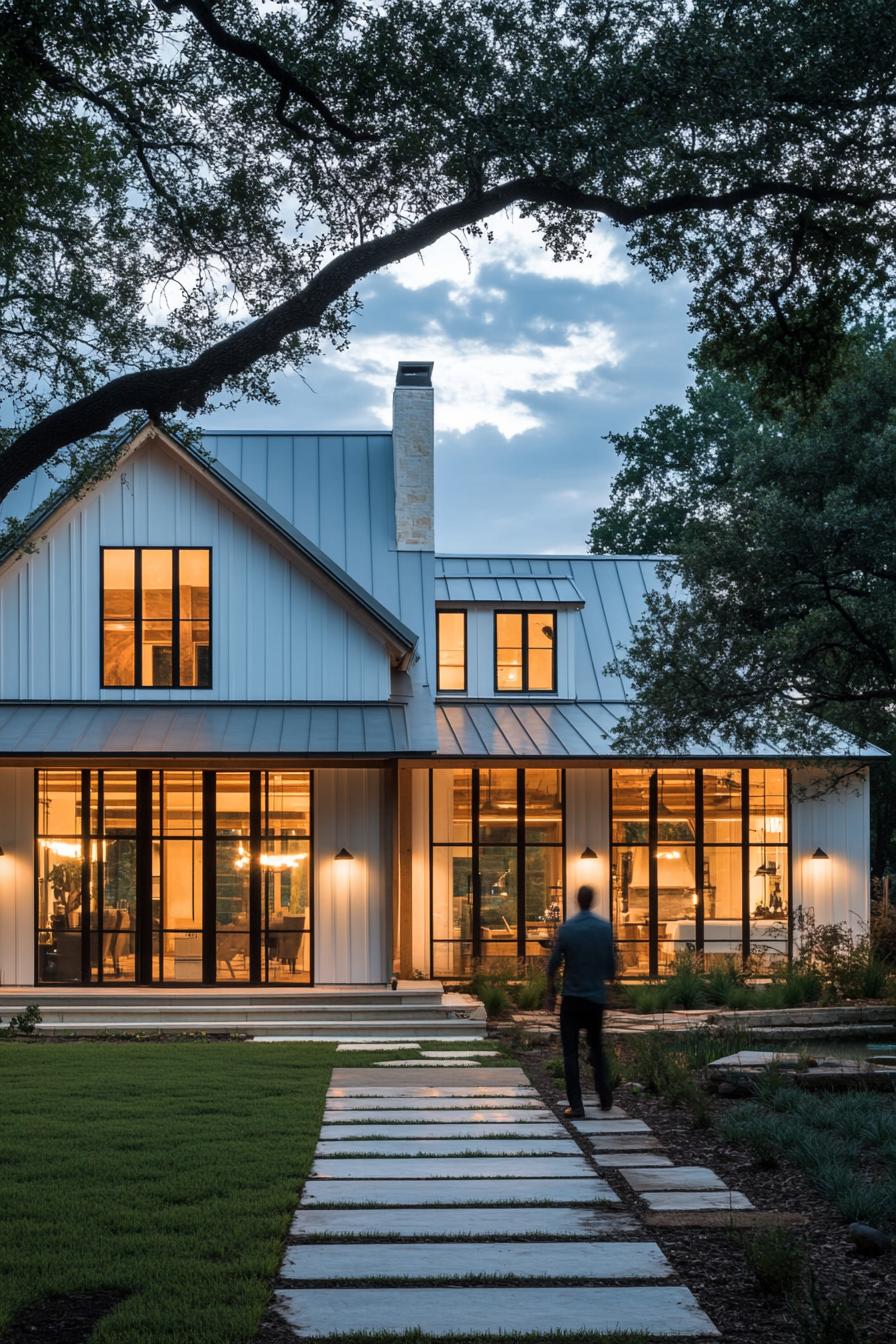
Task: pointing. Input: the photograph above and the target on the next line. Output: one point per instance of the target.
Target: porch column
(404, 869)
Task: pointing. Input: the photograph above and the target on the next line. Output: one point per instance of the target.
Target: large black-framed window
(156, 616)
(700, 860)
(174, 877)
(525, 645)
(497, 867)
(451, 649)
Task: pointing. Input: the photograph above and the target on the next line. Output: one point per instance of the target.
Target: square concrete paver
(500, 1075)
(316, 1312)
(444, 1221)
(599, 1127)
(465, 1115)
(409, 1193)
(675, 1200)
(615, 1161)
(448, 1168)
(450, 1147)
(620, 1143)
(376, 1130)
(675, 1178)
(376, 1047)
(439, 1102)
(447, 1089)
(465, 1260)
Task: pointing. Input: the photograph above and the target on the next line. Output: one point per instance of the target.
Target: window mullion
(175, 616)
(138, 616)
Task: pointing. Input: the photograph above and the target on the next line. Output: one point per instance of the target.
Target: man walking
(584, 945)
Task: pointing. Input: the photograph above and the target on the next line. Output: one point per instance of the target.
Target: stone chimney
(412, 455)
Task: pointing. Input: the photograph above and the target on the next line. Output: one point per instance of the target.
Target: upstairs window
(452, 650)
(525, 655)
(156, 616)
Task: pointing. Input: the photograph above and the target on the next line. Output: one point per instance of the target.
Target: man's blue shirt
(585, 946)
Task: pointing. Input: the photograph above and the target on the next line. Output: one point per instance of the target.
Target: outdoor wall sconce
(343, 854)
(820, 854)
(2, 851)
(587, 853)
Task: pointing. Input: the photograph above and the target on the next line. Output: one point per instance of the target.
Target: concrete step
(401, 1029)
(237, 1012)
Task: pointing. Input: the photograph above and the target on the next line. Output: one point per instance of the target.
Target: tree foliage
(776, 620)
(199, 185)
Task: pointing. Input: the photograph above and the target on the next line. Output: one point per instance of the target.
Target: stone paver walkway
(661, 1185)
(502, 1226)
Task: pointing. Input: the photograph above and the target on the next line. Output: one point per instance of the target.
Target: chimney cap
(413, 373)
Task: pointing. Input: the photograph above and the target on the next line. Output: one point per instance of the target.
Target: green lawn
(169, 1171)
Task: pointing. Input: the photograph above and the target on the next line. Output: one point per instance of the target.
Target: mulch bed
(710, 1261)
(69, 1318)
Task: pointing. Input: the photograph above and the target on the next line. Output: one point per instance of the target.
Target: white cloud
(480, 383)
(517, 246)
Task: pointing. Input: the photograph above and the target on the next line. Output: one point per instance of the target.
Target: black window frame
(744, 845)
(137, 683)
(454, 690)
(148, 935)
(524, 613)
(476, 845)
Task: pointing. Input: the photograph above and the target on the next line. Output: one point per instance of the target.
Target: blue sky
(535, 361)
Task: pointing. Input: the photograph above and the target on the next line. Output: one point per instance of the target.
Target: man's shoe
(607, 1105)
(574, 1112)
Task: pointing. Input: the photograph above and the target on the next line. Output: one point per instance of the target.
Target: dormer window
(525, 651)
(156, 616)
(451, 644)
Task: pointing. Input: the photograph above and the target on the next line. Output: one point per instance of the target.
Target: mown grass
(167, 1171)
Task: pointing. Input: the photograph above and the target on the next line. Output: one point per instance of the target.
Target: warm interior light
(668, 853)
(774, 824)
(695, 899)
(66, 849)
(281, 860)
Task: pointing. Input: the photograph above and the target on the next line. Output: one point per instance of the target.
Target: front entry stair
(415, 1010)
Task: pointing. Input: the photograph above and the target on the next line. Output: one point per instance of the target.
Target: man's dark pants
(583, 1015)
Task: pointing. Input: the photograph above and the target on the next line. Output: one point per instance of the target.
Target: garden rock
(869, 1240)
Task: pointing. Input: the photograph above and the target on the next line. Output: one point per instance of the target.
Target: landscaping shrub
(529, 992)
(493, 992)
(832, 1138)
(777, 1259)
(828, 1320)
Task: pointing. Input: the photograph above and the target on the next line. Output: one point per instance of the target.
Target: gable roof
(402, 639)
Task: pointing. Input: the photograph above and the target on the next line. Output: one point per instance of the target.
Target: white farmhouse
(255, 732)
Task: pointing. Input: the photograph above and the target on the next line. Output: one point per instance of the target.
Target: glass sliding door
(177, 877)
(285, 860)
(234, 855)
(497, 870)
(63, 838)
(115, 865)
(630, 869)
(173, 877)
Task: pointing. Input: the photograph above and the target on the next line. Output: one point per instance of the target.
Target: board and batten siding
(831, 814)
(275, 634)
(588, 827)
(352, 898)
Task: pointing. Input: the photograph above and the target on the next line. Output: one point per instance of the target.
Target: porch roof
(577, 729)
(186, 729)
